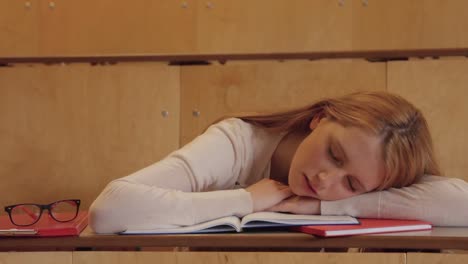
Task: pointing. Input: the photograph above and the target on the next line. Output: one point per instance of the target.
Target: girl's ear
(315, 121)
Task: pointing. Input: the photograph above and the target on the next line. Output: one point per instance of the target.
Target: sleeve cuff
(365, 205)
(216, 204)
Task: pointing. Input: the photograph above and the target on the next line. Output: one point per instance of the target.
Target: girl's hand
(266, 193)
(298, 205)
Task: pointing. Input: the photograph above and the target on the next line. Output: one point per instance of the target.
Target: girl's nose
(330, 177)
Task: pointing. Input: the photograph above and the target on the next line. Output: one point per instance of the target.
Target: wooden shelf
(438, 238)
(223, 57)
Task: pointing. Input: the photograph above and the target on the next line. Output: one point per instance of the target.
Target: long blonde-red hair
(408, 151)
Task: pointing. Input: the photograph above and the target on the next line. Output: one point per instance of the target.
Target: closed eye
(350, 184)
(333, 157)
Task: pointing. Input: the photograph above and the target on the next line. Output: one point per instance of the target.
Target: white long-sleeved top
(204, 180)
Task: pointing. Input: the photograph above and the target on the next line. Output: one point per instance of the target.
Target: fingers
(280, 207)
(286, 192)
(267, 193)
(283, 206)
(274, 208)
(279, 184)
(297, 205)
(282, 191)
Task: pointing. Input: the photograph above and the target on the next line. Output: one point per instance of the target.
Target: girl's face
(335, 162)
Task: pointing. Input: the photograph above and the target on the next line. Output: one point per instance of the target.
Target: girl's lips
(309, 185)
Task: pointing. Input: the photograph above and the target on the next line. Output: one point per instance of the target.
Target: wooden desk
(438, 238)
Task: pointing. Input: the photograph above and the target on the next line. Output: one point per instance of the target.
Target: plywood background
(428, 258)
(66, 131)
(117, 27)
(36, 257)
(439, 89)
(216, 91)
(235, 257)
(402, 24)
(229, 257)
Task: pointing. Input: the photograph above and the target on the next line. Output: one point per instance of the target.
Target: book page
(17, 232)
(224, 224)
(265, 219)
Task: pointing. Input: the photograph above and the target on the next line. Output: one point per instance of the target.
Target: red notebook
(46, 227)
(366, 226)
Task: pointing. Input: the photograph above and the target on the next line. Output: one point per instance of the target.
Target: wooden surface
(273, 26)
(402, 24)
(387, 24)
(19, 30)
(426, 258)
(235, 257)
(110, 257)
(123, 257)
(109, 26)
(439, 89)
(90, 27)
(438, 238)
(184, 58)
(66, 131)
(36, 257)
(445, 24)
(87, 28)
(216, 91)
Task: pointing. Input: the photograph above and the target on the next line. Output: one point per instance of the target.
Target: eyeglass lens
(25, 214)
(64, 210)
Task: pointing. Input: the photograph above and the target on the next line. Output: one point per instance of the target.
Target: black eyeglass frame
(43, 207)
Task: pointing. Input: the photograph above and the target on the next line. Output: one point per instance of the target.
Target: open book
(254, 220)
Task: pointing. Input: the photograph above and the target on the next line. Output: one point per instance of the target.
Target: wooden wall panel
(111, 27)
(218, 90)
(98, 28)
(387, 24)
(36, 257)
(438, 88)
(66, 131)
(246, 26)
(103, 257)
(19, 28)
(235, 257)
(428, 258)
(312, 258)
(401, 24)
(445, 24)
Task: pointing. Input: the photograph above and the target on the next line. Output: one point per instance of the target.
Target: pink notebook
(46, 227)
(366, 226)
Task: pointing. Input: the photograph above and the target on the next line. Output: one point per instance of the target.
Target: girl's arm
(180, 189)
(440, 200)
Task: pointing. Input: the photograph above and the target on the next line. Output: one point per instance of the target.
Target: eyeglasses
(29, 214)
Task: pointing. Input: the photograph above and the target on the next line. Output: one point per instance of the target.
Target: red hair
(407, 144)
